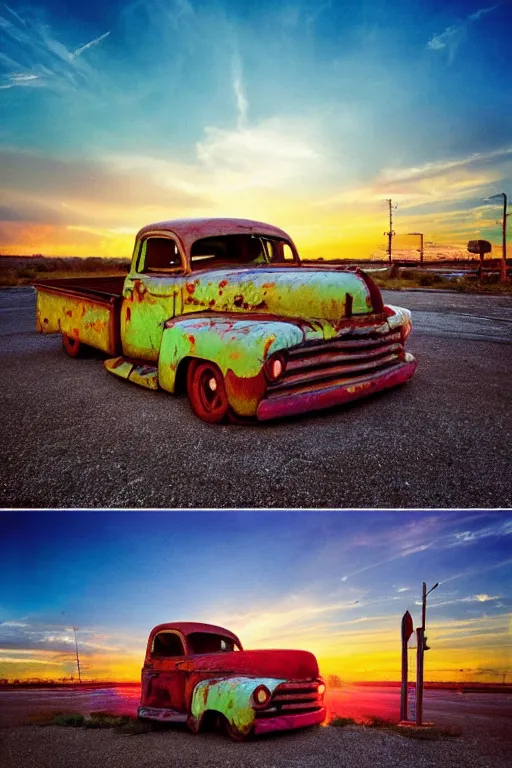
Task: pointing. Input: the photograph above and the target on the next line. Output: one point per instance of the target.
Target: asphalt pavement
(75, 436)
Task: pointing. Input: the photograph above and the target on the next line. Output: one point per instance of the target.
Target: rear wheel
(73, 346)
(207, 391)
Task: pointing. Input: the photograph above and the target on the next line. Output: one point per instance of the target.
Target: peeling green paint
(231, 697)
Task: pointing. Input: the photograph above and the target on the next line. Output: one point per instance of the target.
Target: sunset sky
(307, 114)
(333, 583)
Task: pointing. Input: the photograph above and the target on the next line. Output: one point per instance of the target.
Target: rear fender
(230, 697)
(237, 345)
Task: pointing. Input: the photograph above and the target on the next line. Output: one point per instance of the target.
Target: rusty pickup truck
(224, 309)
(200, 675)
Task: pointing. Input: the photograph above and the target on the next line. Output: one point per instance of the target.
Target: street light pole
(503, 235)
(420, 652)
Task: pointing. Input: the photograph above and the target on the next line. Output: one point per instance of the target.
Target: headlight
(321, 689)
(274, 367)
(261, 696)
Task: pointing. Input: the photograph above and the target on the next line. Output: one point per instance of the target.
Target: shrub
(341, 722)
(374, 721)
(71, 720)
(428, 278)
(8, 278)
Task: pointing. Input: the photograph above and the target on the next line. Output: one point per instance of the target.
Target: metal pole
(424, 606)
(390, 236)
(504, 235)
(419, 675)
(390, 233)
(77, 659)
(405, 672)
(421, 248)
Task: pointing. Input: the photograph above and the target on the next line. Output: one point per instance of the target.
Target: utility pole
(503, 277)
(77, 658)
(420, 651)
(391, 232)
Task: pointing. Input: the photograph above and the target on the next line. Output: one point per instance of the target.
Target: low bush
(73, 720)
(340, 722)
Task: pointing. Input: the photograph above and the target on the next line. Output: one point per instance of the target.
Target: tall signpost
(421, 647)
(407, 630)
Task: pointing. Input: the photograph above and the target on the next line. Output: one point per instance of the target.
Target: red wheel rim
(71, 345)
(206, 391)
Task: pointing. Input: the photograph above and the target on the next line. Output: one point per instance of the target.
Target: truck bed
(86, 308)
(86, 286)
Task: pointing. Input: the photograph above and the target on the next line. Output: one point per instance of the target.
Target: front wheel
(207, 391)
(73, 346)
(234, 734)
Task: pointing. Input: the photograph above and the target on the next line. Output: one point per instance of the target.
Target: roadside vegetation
(15, 271)
(119, 723)
(424, 733)
(399, 278)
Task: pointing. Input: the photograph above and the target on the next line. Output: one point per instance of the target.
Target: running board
(162, 715)
(139, 373)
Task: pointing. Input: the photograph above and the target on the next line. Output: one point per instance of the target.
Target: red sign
(407, 626)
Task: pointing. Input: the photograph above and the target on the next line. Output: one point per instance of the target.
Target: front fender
(237, 345)
(231, 697)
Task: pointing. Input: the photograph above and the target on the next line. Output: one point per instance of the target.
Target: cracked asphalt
(75, 436)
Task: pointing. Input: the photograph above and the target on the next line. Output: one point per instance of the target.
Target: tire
(207, 391)
(234, 734)
(72, 346)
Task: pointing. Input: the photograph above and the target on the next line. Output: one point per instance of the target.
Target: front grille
(316, 365)
(290, 698)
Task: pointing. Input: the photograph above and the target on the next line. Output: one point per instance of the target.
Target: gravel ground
(75, 436)
(350, 747)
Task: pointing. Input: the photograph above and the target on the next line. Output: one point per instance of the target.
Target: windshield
(204, 642)
(241, 250)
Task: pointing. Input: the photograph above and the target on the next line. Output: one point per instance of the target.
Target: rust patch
(69, 312)
(191, 338)
(128, 314)
(245, 393)
(268, 344)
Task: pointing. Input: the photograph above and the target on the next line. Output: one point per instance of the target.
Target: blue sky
(334, 583)
(307, 114)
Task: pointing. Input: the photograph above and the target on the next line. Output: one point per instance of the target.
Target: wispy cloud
(454, 35)
(85, 47)
(38, 57)
(239, 89)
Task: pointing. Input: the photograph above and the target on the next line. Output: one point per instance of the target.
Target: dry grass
(340, 722)
(395, 279)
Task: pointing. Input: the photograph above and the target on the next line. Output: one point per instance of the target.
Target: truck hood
(290, 665)
(299, 292)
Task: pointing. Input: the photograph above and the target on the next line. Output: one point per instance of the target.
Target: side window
(287, 253)
(159, 254)
(167, 644)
